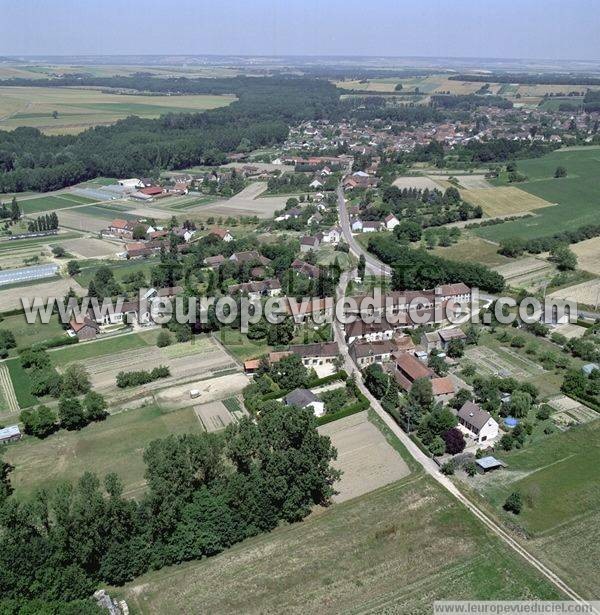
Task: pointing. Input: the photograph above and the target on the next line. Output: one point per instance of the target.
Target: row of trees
(47, 222)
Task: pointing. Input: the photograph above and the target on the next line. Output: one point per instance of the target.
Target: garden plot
(570, 412)
(508, 364)
(366, 459)
(418, 182)
(186, 362)
(213, 416)
(90, 247)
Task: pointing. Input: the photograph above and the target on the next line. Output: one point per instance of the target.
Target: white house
(333, 235)
(315, 183)
(357, 226)
(371, 226)
(479, 424)
(391, 222)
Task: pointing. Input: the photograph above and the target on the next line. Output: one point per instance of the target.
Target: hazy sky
(547, 29)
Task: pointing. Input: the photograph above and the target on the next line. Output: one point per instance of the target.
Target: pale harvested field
(374, 85)
(89, 247)
(74, 219)
(245, 203)
(213, 416)
(473, 182)
(211, 389)
(586, 292)
(186, 362)
(532, 90)
(418, 182)
(522, 267)
(10, 298)
(80, 108)
(503, 200)
(148, 211)
(588, 255)
(364, 456)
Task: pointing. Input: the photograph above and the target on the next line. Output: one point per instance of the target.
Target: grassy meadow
(577, 196)
(396, 549)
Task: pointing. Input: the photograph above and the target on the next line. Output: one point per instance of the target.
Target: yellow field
(79, 109)
(503, 201)
(588, 255)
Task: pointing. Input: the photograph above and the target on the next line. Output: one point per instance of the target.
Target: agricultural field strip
(7, 390)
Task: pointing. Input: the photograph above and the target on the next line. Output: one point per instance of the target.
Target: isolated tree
(564, 257)
(455, 441)
(514, 503)
(560, 172)
(163, 338)
(73, 268)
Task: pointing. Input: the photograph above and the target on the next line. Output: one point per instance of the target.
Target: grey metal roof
(10, 432)
(489, 462)
(300, 397)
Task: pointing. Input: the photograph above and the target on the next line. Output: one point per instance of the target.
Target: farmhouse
(86, 330)
(371, 332)
(214, 262)
(303, 398)
(315, 309)
(301, 267)
(309, 243)
(250, 256)
(364, 353)
(222, 234)
(443, 389)
(391, 222)
(255, 290)
(10, 434)
(121, 228)
(320, 353)
(447, 335)
(431, 341)
(457, 292)
(479, 424)
(409, 369)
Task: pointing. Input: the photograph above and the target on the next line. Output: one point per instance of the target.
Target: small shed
(10, 434)
(489, 463)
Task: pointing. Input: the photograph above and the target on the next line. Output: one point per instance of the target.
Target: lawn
(101, 347)
(558, 477)
(396, 549)
(577, 195)
(238, 344)
(20, 381)
(119, 268)
(27, 334)
(79, 109)
(114, 445)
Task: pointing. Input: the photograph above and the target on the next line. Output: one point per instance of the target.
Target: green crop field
(106, 212)
(558, 478)
(394, 550)
(577, 195)
(113, 445)
(20, 380)
(48, 203)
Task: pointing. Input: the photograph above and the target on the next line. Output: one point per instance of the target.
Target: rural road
(374, 265)
(426, 462)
